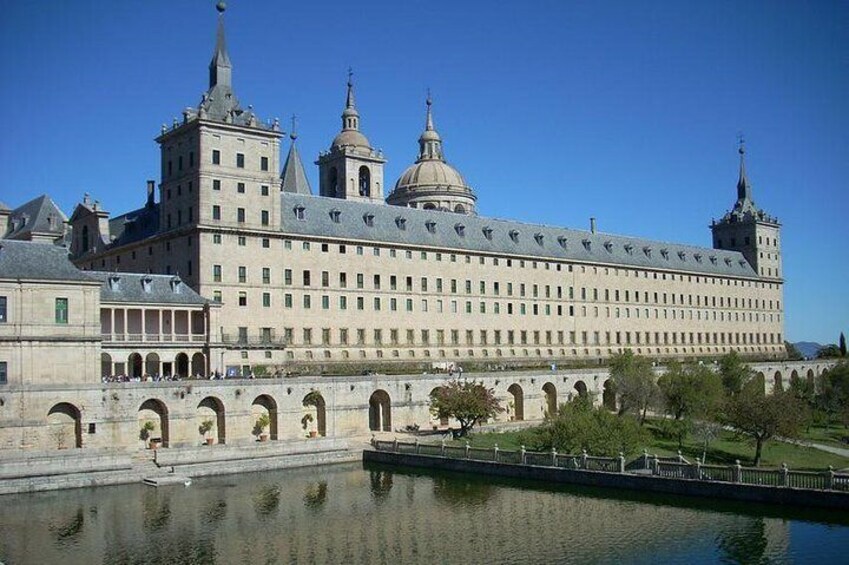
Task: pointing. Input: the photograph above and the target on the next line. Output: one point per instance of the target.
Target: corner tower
(351, 169)
(749, 230)
(431, 183)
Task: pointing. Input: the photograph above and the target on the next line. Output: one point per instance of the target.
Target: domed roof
(431, 174)
(350, 137)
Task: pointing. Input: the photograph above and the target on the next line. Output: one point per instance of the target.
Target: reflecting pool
(379, 514)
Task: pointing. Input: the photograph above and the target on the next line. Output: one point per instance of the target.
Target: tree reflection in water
(746, 543)
(214, 511)
(266, 500)
(454, 491)
(69, 528)
(156, 510)
(380, 483)
(315, 494)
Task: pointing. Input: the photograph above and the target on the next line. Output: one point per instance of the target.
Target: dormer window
(401, 222)
(728, 261)
(664, 253)
(368, 219)
(713, 259)
(114, 282)
(487, 233)
(539, 238)
(629, 249)
(431, 226)
(176, 285)
(146, 283)
(742, 262)
(647, 251)
(335, 215)
(460, 229)
(698, 257)
(300, 213)
(563, 241)
(682, 255)
(609, 246)
(587, 244)
(514, 235)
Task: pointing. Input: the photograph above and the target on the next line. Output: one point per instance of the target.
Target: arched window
(365, 181)
(460, 209)
(332, 183)
(84, 242)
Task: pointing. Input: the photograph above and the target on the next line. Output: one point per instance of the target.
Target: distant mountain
(808, 349)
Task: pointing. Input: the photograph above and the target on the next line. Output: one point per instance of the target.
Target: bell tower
(351, 169)
(749, 230)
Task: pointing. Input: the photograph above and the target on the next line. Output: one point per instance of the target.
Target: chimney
(592, 224)
(150, 187)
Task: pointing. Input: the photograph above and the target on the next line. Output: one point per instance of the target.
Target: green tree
(689, 392)
(734, 373)
(578, 426)
(635, 383)
(761, 417)
(828, 351)
(793, 354)
(833, 398)
(842, 345)
(469, 402)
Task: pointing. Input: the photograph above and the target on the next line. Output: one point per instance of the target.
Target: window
(216, 157)
(243, 274)
(61, 310)
(243, 299)
(240, 187)
(264, 190)
(240, 160)
(242, 240)
(264, 217)
(216, 212)
(3, 373)
(216, 296)
(263, 163)
(216, 273)
(266, 275)
(216, 184)
(266, 299)
(240, 215)
(306, 278)
(3, 310)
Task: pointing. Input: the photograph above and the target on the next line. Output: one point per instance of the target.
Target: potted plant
(144, 433)
(259, 427)
(204, 429)
(305, 422)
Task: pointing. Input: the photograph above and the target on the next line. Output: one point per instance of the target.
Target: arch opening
(211, 420)
(317, 409)
(153, 417)
(264, 405)
(151, 364)
(380, 411)
(365, 181)
(65, 423)
(518, 402)
(550, 399)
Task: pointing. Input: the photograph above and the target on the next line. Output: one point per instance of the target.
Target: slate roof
(445, 230)
(294, 178)
(130, 289)
(44, 261)
(134, 226)
(34, 216)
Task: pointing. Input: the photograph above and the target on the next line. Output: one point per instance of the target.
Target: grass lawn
(827, 436)
(725, 450)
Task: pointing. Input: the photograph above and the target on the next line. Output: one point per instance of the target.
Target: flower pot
(263, 437)
(154, 444)
(210, 441)
(313, 433)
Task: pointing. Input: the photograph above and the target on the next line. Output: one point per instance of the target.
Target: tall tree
(635, 383)
(689, 392)
(469, 402)
(793, 354)
(828, 351)
(761, 417)
(842, 345)
(734, 373)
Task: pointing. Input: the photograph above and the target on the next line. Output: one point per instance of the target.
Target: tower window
(240, 215)
(240, 160)
(365, 181)
(263, 163)
(299, 212)
(61, 310)
(216, 212)
(216, 184)
(240, 188)
(216, 157)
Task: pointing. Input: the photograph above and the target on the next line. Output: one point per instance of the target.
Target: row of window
(393, 337)
(495, 288)
(240, 160)
(60, 310)
(241, 215)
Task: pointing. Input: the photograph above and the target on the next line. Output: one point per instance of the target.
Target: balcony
(262, 340)
(153, 338)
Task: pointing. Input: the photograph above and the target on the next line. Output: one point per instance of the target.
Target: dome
(350, 137)
(433, 175)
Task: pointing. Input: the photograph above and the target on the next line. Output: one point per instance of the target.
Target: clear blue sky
(554, 111)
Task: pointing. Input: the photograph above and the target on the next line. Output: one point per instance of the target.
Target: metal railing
(667, 467)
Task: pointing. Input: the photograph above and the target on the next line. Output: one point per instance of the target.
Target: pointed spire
(430, 144)
(293, 135)
(350, 116)
(744, 189)
(220, 68)
(294, 177)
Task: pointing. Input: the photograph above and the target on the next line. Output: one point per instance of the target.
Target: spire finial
(349, 101)
(744, 189)
(221, 6)
(429, 119)
(293, 135)
(220, 68)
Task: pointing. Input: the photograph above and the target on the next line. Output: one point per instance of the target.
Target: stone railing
(153, 338)
(669, 468)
